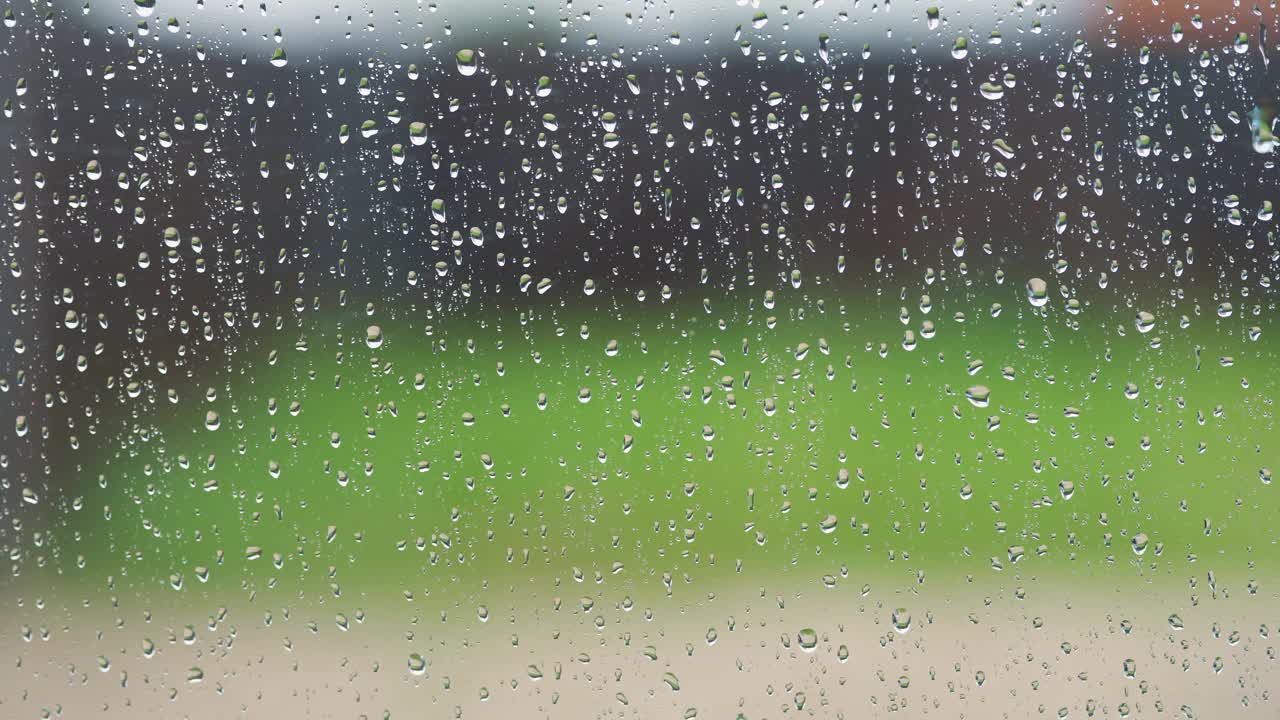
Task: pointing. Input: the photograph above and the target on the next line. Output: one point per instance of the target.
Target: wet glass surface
(635, 359)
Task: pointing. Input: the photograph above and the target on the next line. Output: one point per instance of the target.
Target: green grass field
(431, 466)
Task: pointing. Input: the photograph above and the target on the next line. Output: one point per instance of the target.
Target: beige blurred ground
(288, 669)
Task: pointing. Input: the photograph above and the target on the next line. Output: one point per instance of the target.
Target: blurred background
(594, 358)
